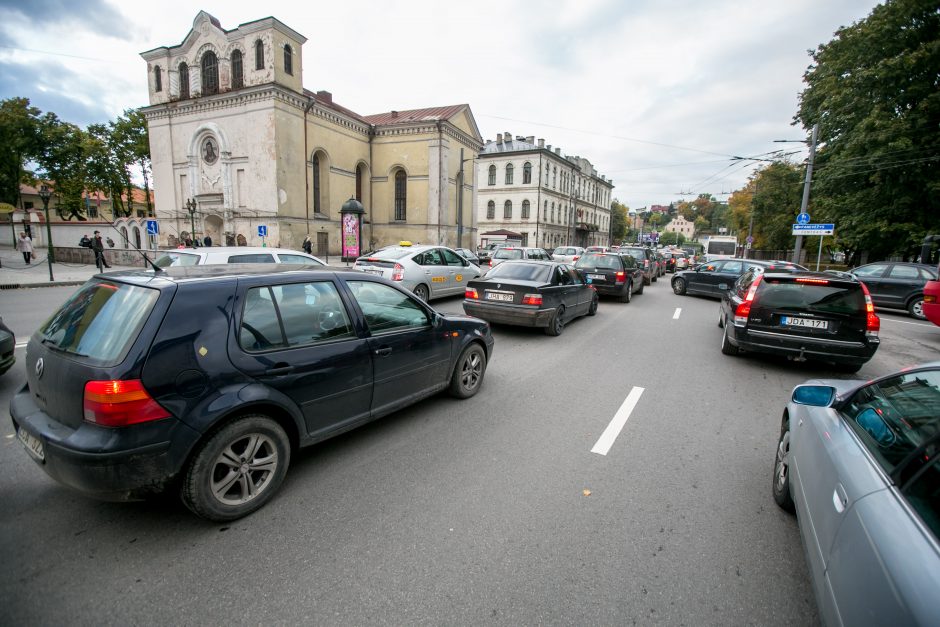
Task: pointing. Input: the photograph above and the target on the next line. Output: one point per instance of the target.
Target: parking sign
(262, 230)
(152, 227)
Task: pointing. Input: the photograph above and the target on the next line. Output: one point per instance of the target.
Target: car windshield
(508, 253)
(524, 271)
(816, 297)
(173, 258)
(100, 321)
(594, 260)
(561, 250)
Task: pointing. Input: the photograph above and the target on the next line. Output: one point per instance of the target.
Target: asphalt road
(493, 510)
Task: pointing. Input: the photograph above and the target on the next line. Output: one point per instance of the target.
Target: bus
(720, 247)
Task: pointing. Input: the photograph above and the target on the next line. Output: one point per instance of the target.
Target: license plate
(376, 272)
(498, 296)
(804, 322)
(597, 277)
(33, 445)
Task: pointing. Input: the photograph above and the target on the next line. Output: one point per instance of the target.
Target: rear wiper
(51, 344)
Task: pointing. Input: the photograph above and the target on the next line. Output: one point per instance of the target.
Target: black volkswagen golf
(204, 379)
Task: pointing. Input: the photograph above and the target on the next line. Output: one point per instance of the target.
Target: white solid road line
(916, 324)
(616, 424)
(675, 316)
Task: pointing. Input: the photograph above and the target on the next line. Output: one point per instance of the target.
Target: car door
(565, 291)
(458, 270)
(583, 295)
(701, 280)
(299, 340)
(722, 280)
(436, 272)
(900, 283)
(410, 355)
(872, 276)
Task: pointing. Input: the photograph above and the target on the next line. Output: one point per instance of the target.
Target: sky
(662, 96)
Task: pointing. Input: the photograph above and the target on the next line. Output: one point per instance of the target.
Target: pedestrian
(307, 245)
(85, 242)
(25, 246)
(98, 246)
(207, 241)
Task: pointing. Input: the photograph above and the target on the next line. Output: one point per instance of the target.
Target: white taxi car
(428, 271)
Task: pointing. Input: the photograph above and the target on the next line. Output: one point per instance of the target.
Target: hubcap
(918, 309)
(783, 455)
(244, 469)
(471, 371)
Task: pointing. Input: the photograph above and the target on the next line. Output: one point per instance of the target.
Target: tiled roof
(328, 103)
(139, 196)
(431, 114)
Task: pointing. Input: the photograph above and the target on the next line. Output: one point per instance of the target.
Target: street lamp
(191, 207)
(45, 194)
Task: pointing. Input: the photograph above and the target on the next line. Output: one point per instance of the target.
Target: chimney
(530, 139)
(549, 146)
(499, 139)
(394, 114)
(507, 137)
(325, 96)
(541, 143)
(558, 151)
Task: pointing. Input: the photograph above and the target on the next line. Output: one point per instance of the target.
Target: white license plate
(33, 445)
(498, 296)
(804, 322)
(597, 277)
(373, 271)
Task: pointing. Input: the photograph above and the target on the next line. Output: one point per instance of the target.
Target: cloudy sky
(660, 95)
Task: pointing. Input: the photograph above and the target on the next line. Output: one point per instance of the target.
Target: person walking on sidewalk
(25, 245)
(98, 246)
(307, 246)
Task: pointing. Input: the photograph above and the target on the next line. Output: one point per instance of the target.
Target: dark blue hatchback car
(205, 379)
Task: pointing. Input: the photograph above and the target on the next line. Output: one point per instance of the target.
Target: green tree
(618, 221)
(62, 161)
(875, 93)
(131, 144)
(20, 142)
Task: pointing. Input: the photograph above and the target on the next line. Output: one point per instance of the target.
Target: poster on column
(350, 235)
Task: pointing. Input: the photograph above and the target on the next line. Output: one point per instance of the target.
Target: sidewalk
(14, 272)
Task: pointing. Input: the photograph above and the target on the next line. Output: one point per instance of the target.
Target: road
(493, 510)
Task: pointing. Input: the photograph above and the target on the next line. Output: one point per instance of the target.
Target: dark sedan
(531, 293)
(897, 285)
(612, 274)
(716, 277)
(7, 347)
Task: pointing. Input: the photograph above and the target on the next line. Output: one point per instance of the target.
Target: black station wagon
(204, 379)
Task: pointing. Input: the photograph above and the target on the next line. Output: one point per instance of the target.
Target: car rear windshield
(508, 253)
(818, 297)
(395, 252)
(523, 271)
(637, 253)
(594, 260)
(176, 259)
(100, 321)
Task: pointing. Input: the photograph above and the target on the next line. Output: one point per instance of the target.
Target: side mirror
(875, 426)
(815, 395)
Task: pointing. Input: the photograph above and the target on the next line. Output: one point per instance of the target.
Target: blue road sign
(803, 218)
(262, 230)
(813, 229)
(152, 227)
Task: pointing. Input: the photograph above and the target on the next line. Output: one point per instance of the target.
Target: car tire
(678, 286)
(647, 280)
(592, 308)
(726, 346)
(468, 372)
(421, 291)
(640, 291)
(916, 308)
(721, 318)
(557, 324)
(781, 483)
(248, 455)
(627, 295)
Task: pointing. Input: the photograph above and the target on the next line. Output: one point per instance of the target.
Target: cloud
(37, 83)
(92, 15)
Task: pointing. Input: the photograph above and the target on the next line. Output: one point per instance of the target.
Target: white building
(550, 199)
(681, 225)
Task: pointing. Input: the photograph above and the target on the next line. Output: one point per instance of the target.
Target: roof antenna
(156, 269)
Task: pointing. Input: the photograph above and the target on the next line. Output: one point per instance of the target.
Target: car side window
(296, 314)
(451, 259)
(429, 258)
(563, 277)
(732, 266)
(904, 272)
(574, 274)
(287, 258)
(260, 328)
(387, 309)
(251, 258)
(874, 270)
(927, 275)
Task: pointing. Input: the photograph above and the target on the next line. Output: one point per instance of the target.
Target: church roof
(431, 114)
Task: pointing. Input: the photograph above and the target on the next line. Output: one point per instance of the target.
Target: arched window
(525, 209)
(157, 78)
(492, 177)
(288, 60)
(491, 210)
(507, 210)
(317, 206)
(259, 55)
(553, 212)
(527, 173)
(238, 72)
(401, 195)
(554, 177)
(359, 183)
(548, 171)
(509, 169)
(210, 73)
(184, 80)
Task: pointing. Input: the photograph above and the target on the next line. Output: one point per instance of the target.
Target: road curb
(17, 286)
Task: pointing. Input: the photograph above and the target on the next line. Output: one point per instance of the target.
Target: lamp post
(45, 194)
(191, 207)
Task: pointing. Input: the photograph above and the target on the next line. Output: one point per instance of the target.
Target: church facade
(237, 143)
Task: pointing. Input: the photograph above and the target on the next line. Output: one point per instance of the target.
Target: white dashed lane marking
(616, 425)
(675, 316)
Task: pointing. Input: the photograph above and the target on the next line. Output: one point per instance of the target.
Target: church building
(237, 143)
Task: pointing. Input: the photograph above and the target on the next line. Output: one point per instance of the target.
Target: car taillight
(120, 403)
(532, 299)
(471, 293)
(575, 258)
(813, 281)
(621, 276)
(491, 263)
(930, 298)
(743, 310)
(398, 273)
(646, 263)
(872, 322)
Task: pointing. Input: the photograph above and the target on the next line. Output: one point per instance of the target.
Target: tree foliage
(20, 141)
(875, 92)
(618, 220)
(772, 198)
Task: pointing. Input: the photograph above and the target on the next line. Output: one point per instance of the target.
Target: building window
(527, 173)
(507, 210)
(525, 209)
(491, 210)
(288, 60)
(545, 212)
(509, 169)
(554, 177)
(259, 55)
(359, 183)
(317, 207)
(184, 80)
(525, 239)
(553, 212)
(401, 195)
(548, 172)
(492, 177)
(238, 74)
(210, 73)
(157, 79)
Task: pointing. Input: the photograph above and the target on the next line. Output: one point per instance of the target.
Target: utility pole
(809, 178)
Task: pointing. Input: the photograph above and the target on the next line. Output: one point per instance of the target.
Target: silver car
(858, 462)
(567, 254)
(212, 255)
(428, 271)
(504, 253)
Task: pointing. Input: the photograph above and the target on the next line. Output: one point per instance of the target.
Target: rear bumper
(607, 289)
(508, 314)
(106, 463)
(838, 351)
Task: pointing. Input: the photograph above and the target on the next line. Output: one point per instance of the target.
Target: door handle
(279, 369)
(385, 351)
(839, 499)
